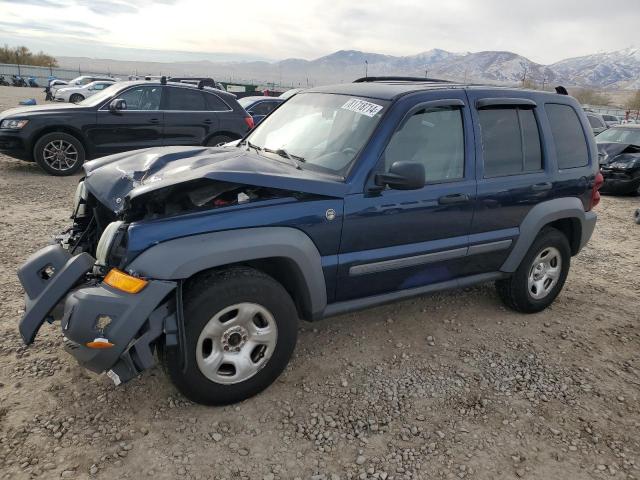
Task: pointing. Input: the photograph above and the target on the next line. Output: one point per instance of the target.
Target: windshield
(100, 97)
(319, 131)
(620, 135)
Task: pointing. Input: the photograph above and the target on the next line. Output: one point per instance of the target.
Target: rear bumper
(588, 226)
(91, 310)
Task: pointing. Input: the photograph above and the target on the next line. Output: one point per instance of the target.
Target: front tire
(59, 154)
(240, 332)
(76, 98)
(540, 276)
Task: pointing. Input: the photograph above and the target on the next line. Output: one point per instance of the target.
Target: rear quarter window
(568, 136)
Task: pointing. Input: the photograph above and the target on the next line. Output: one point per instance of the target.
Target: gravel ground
(444, 386)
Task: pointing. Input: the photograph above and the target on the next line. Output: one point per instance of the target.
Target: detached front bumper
(58, 285)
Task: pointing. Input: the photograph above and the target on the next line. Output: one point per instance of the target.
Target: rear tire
(541, 274)
(59, 154)
(218, 140)
(240, 330)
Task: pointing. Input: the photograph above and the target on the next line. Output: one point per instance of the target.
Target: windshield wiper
(289, 156)
(251, 145)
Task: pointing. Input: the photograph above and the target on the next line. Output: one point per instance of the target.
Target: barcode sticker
(362, 106)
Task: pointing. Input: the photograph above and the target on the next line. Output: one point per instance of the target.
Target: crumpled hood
(117, 177)
(608, 152)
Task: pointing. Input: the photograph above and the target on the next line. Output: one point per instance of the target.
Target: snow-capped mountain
(619, 69)
(614, 70)
(494, 67)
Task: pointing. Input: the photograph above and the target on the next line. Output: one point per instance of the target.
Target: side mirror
(117, 105)
(402, 176)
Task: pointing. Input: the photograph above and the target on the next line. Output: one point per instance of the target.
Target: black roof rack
(560, 90)
(400, 79)
(201, 82)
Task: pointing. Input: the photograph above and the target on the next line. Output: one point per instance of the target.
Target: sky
(545, 31)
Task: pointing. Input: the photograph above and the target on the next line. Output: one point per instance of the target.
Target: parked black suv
(345, 197)
(126, 116)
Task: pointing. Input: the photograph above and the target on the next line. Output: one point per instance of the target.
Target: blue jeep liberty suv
(345, 197)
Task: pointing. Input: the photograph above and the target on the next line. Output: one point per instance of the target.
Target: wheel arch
(565, 214)
(286, 254)
(59, 129)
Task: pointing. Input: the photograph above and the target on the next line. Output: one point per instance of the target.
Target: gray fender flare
(542, 214)
(184, 257)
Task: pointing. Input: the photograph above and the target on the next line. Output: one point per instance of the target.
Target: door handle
(541, 187)
(154, 121)
(208, 121)
(453, 199)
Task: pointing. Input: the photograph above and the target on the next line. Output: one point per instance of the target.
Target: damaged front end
(112, 318)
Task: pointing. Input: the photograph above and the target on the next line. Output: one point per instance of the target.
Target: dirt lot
(443, 386)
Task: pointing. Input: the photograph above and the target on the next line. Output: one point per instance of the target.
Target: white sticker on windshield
(362, 106)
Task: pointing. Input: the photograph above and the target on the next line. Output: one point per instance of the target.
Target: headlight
(621, 165)
(79, 200)
(106, 242)
(13, 124)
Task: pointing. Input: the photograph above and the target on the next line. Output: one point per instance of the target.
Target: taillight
(595, 194)
(249, 121)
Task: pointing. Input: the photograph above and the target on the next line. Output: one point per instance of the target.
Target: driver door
(140, 125)
(400, 239)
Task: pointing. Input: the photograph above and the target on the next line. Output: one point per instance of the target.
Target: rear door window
(510, 141)
(568, 136)
(185, 99)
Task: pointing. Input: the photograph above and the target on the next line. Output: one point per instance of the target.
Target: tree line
(23, 56)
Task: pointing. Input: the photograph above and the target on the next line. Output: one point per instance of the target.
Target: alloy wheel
(60, 155)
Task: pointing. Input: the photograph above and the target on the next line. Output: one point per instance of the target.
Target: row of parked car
(107, 116)
(121, 116)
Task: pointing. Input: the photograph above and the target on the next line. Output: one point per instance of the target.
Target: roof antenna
(560, 90)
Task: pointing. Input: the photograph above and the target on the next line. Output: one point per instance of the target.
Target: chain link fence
(42, 74)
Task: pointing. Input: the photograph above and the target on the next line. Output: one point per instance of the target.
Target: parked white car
(80, 81)
(79, 93)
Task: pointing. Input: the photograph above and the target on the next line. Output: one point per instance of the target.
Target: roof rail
(400, 79)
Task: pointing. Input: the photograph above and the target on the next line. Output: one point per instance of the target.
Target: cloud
(37, 3)
(100, 7)
(544, 30)
(68, 27)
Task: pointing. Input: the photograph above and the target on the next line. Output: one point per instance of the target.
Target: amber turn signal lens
(120, 280)
(100, 343)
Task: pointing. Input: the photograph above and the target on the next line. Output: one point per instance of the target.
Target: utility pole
(366, 69)
(544, 81)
